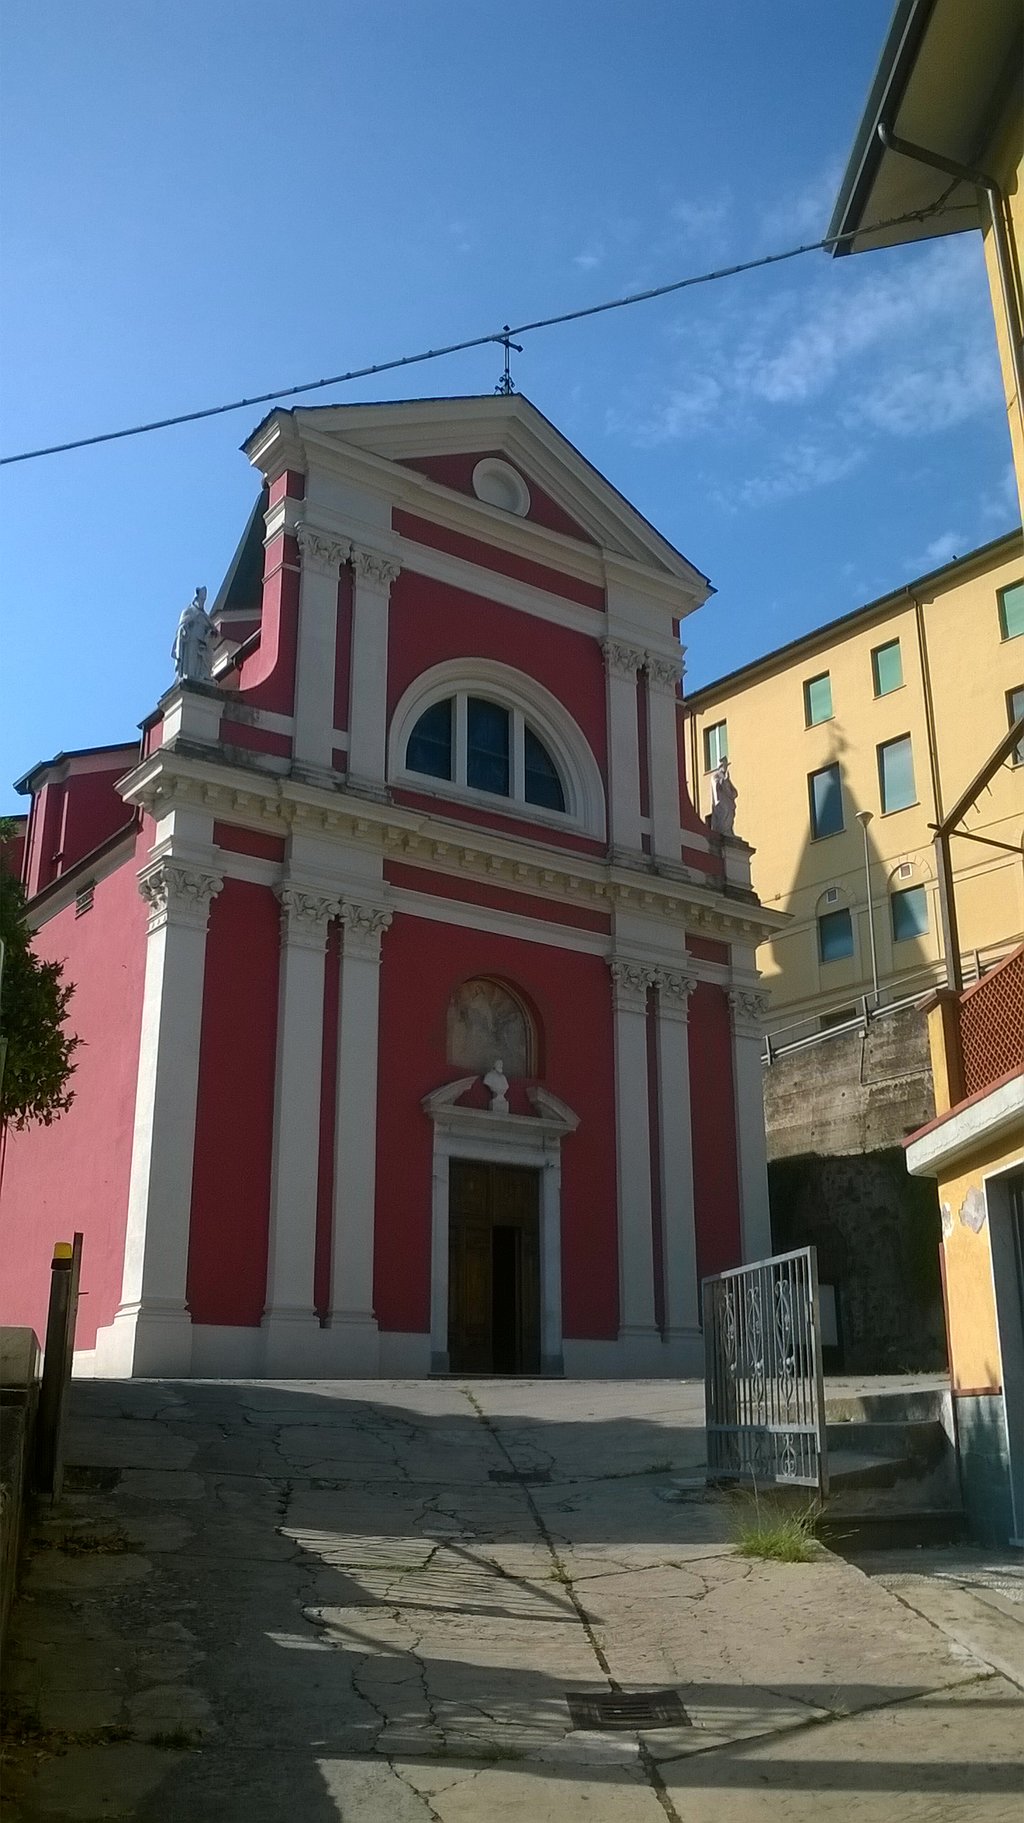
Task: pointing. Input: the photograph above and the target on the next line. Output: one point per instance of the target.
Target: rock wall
(836, 1114)
(853, 1092)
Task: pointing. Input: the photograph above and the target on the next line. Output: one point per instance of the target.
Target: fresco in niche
(485, 1022)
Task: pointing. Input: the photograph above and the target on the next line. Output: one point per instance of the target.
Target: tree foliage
(34, 996)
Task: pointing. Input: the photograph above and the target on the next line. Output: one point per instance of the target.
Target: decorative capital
(748, 1008)
(364, 927)
(374, 568)
(178, 894)
(665, 673)
(630, 982)
(305, 915)
(624, 659)
(320, 551)
(674, 990)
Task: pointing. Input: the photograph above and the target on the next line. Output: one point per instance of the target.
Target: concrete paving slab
(395, 1638)
(938, 1759)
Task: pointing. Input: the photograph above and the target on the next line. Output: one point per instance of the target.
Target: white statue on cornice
(194, 641)
(723, 801)
(497, 1083)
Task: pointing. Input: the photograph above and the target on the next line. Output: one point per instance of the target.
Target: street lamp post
(864, 818)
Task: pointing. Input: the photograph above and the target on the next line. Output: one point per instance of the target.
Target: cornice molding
(277, 804)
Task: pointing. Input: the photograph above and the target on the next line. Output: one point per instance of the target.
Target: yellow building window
(887, 668)
(716, 745)
(817, 700)
(896, 774)
(1011, 610)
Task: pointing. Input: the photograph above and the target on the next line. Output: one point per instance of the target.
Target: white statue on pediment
(194, 641)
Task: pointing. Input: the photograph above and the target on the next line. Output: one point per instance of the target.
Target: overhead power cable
(479, 341)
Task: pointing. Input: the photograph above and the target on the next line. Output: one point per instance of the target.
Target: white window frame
(527, 701)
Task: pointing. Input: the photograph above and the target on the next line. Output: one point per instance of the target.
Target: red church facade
(420, 1009)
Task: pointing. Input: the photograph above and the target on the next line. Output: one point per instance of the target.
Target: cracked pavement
(368, 1601)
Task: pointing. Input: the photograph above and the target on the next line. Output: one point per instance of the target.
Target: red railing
(991, 1015)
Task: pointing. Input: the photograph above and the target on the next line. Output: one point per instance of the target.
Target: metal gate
(764, 1395)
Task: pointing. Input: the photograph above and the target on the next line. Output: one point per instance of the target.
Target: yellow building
(880, 716)
(942, 135)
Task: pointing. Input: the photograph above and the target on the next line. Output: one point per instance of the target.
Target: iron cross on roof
(506, 384)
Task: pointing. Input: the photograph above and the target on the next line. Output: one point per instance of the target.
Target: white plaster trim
(166, 781)
(500, 1139)
(539, 449)
(501, 923)
(579, 772)
(251, 868)
(999, 1112)
(496, 586)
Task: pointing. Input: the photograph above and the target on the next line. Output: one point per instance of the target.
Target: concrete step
(920, 1444)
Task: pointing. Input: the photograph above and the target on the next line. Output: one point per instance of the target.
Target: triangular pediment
(443, 439)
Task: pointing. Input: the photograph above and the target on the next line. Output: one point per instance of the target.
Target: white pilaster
(679, 1232)
(151, 1332)
(622, 662)
(367, 727)
(631, 981)
(290, 1324)
(322, 557)
(355, 1154)
(748, 1009)
(663, 675)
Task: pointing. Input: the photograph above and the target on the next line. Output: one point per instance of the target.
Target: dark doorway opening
(493, 1269)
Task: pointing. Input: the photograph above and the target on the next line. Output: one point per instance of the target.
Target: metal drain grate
(526, 1477)
(629, 1709)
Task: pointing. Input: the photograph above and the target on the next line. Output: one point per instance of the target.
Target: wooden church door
(493, 1269)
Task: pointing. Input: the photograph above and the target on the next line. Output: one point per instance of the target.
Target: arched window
(486, 1021)
(490, 735)
(485, 746)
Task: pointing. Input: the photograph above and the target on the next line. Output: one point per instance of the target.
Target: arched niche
(487, 1021)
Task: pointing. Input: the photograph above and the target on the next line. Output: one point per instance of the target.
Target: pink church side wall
(423, 962)
(74, 1174)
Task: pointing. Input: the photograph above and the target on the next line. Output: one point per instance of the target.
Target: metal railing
(763, 1389)
(798, 1034)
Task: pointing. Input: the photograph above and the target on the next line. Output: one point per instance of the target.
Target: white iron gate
(764, 1395)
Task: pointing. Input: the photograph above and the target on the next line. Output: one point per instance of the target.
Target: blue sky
(212, 198)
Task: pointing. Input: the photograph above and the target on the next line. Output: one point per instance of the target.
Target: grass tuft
(88, 1544)
(175, 1737)
(782, 1537)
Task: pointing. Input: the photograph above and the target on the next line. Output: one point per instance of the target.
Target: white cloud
(804, 212)
(687, 410)
(934, 395)
(943, 549)
(899, 349)
(589, 258)
(799, 468)
(1002, 506)
(702, 218)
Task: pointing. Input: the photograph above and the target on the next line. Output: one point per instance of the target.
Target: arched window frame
(527, 702)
